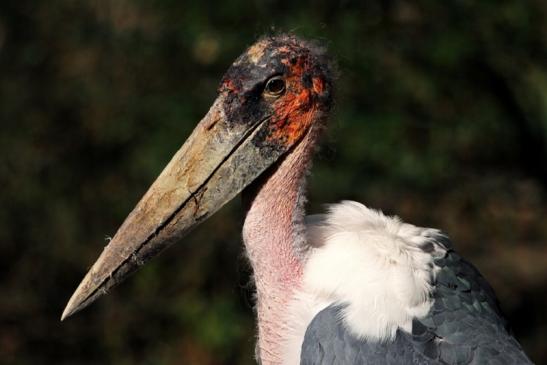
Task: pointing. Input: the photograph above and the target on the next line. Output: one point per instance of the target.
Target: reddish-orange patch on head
(302, 100)
(318, 85)
(295, 111)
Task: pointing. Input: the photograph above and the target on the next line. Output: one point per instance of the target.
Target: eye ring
(275, 86)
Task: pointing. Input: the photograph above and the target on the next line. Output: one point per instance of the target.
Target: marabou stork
(351, 286)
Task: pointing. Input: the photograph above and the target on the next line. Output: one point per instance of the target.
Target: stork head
(267, 101)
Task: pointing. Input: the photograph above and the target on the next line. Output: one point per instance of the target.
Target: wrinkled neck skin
(274, 237)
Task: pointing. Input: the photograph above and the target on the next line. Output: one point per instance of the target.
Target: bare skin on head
(256, 51)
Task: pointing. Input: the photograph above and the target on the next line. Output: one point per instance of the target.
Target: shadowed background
(441, 118)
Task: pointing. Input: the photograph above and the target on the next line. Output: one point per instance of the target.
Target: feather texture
(375, 288)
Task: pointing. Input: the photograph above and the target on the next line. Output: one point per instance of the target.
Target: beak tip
(70, 308)
(78, 301)
(65, 315)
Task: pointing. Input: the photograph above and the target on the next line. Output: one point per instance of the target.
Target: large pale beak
(219, 159)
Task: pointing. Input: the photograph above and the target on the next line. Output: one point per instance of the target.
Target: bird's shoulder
(417, 301)
(378, 266)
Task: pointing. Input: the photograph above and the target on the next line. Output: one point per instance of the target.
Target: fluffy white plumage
(380, 268)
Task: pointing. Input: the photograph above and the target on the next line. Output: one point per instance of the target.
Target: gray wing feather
(464, 326)
(327, 341)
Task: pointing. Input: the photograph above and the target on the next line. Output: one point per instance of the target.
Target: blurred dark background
(441, 118)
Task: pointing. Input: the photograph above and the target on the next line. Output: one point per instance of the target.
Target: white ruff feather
(380, 268)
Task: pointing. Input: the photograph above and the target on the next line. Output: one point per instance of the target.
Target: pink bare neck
(273, 234)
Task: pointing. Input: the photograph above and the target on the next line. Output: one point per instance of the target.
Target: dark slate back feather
(464, 326)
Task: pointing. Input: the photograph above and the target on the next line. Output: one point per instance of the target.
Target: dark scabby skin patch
(303, 65)
(243, 86)
(268, 146)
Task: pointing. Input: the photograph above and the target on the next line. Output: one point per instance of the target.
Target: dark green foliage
(441, 118)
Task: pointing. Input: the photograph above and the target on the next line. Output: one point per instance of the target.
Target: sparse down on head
(267, 101)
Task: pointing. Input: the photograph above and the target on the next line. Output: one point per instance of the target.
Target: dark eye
(275, 86)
